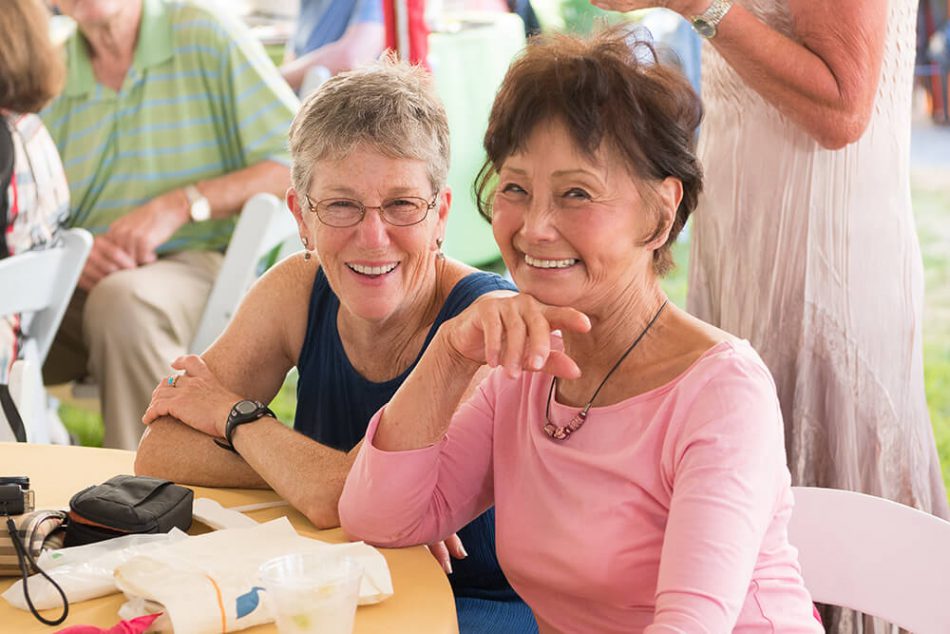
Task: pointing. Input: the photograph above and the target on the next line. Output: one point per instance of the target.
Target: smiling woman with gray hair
(370, 157)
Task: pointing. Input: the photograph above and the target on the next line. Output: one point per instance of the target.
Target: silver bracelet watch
(707, 24)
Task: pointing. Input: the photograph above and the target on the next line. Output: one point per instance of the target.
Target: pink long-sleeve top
(667, 512)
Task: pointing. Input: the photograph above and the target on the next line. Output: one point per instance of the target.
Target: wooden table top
(422, 602)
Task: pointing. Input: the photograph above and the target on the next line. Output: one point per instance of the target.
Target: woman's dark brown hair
(603, 90)
(31, 69)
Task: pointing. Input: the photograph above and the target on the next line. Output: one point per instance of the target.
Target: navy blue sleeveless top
(334, 401)
(334, 406)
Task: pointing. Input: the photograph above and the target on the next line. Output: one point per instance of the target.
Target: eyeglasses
(346, 212)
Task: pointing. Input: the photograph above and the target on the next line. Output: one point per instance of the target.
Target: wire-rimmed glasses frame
(324, 210)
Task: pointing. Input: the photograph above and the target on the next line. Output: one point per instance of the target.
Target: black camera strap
(24, 557)
(6, 175)
(11, 413)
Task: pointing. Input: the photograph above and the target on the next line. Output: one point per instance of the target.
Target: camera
(16, 497)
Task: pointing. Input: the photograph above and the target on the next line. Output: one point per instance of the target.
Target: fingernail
(536, 362)
(447, 566)
(463, 551)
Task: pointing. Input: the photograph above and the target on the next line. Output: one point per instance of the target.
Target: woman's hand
(514, 332)
(445, 551)
(196, 398)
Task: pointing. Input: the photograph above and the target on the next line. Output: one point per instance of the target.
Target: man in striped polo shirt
(171, 118)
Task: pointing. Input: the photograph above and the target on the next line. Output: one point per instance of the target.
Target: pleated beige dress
(812, 255)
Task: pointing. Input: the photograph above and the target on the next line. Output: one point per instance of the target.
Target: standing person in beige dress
(804, 242)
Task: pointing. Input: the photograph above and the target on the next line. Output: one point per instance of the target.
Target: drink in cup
(312, 592)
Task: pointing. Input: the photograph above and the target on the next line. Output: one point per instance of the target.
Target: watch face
(245, 407)
(200, 210)
(704, 28)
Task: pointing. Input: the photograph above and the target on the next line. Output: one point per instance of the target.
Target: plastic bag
(84, 572)
(209, 583)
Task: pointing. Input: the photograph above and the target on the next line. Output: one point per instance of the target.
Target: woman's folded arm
(422, 495)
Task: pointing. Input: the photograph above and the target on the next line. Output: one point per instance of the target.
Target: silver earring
(306, 245)
(439, 254)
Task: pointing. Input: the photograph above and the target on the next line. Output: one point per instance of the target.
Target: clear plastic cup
(312, 592)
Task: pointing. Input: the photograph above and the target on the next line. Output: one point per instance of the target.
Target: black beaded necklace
(560, 433)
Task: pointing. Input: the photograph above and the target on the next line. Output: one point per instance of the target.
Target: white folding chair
(875, 556)
(39, 285)
(265, 223)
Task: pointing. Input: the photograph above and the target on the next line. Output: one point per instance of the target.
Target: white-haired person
(352, 314)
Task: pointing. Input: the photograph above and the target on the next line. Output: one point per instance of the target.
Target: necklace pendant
(560, 433)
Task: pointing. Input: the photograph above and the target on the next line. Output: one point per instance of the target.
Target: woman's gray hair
(389, 105)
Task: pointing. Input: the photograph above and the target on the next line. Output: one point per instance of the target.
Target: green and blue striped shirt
(201, 100)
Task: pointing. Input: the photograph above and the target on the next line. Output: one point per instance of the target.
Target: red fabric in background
(418, 32)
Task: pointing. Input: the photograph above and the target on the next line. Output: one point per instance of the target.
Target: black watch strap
(244, 411)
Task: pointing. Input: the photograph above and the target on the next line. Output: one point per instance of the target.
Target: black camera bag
(126, 504)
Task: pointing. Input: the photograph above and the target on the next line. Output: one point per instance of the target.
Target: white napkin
(209, 583)
(211, 513)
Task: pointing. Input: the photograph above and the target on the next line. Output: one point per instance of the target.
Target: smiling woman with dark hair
(633, 453)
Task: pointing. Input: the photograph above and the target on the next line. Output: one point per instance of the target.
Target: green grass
(937, 381)
(84, 425)
(932, 210)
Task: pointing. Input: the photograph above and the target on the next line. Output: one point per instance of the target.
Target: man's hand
(105, 258)
(142, 230)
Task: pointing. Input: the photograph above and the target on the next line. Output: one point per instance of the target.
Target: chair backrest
(39, 284)
(873, 555)
(264, 223)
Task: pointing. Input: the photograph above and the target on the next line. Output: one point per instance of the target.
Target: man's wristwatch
(707, 24)
(242, 413)
(198, 206)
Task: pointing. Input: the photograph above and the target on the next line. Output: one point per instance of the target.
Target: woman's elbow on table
(359, 523)
(361, 520)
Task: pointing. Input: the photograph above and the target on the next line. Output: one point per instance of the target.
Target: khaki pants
(126, 332)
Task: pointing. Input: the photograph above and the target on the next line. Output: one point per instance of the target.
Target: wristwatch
(707, 24)
(198, 206)
(243, 412)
